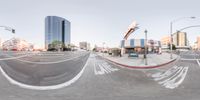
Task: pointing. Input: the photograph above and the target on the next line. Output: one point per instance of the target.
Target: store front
(138, 46)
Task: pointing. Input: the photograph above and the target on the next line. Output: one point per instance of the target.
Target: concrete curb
(141, 67)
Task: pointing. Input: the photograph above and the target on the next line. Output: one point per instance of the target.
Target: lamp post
(145, 53)
(103, 48)
(171, 31)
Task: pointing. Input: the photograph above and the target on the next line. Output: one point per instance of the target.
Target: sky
(98, 21)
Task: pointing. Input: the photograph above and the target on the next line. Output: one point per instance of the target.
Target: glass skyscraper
(56, 29)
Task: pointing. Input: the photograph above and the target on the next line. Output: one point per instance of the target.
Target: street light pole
(145, 56)
(171, 56)
(171, 32)
(103, 48)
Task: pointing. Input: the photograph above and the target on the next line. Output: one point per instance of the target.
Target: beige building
(0, 43)
(180, 40)
(165, 40)
(198, 43)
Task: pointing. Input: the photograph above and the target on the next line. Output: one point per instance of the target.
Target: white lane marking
(172, 78)
(169, 71)
(11, 57)
(172, 84)
(198, 62)
(104, 68)
(25, 61)
(60, 61)
(109, 68)
(188, 59)
(46, 54)
(52, 87)
(189, 54)
(95, 70)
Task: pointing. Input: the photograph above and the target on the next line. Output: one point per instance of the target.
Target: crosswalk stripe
(172, 84)
(198, 62)
(171, 78)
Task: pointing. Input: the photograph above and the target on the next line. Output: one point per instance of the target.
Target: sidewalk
(153, 60)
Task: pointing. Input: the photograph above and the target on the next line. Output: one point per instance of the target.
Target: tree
(69, 47)
(94, 49)
(173, 46)
(57, 44)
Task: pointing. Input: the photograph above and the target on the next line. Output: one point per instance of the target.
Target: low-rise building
(165, 41)
(84, 45)
(138, 45)
(16, 44)
(198, 43)
(0, 43)
(194, 46)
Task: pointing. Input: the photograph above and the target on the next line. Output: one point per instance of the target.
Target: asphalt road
(102, 80)
(44, 69)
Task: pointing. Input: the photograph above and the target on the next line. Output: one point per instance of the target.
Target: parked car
(133, 55)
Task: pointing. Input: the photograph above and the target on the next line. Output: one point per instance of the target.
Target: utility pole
(171, 56)
(103, 48)
(171, 32)
(145, 53)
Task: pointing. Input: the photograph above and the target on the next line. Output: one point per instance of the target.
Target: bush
(52, 49)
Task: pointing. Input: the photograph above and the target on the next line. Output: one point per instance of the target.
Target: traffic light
(13, 31)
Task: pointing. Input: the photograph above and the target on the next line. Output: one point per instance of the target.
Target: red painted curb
(141, 67)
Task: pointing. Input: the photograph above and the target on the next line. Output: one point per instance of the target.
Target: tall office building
(56, 29)
(180, 39)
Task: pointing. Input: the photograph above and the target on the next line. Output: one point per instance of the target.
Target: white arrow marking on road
(103, 68)
(109, 68)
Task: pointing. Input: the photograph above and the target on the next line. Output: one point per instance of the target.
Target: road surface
(102, 80)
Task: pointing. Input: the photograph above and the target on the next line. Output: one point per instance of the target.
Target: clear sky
(98, 21)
